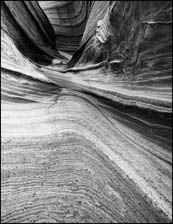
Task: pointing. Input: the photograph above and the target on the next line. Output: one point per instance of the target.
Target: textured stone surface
(68, 18)
(86, 137)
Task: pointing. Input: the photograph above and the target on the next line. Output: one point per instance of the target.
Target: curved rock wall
(89, 140)
(137, 54)
(31, 31)
(68, 18)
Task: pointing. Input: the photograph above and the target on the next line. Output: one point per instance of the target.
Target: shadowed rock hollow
(86, 111)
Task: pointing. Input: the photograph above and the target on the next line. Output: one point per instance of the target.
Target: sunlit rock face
(86, 103)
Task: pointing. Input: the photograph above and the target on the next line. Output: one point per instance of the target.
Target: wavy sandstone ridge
(86, 103)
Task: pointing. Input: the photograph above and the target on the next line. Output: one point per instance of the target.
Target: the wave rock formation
(86, 111)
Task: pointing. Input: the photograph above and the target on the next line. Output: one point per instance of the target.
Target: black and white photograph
(86, 111)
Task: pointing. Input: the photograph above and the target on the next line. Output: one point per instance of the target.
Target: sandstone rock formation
(86, 111)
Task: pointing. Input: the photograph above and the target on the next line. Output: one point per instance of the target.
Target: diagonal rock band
(86, 111)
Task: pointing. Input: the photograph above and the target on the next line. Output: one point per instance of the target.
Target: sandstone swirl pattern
(68, 18)
(86, 140)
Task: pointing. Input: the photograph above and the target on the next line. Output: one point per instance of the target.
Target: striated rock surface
(86, 137)
(68, 19)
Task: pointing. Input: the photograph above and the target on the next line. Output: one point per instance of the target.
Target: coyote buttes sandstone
(86, 124)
